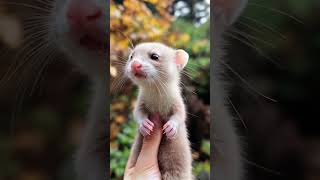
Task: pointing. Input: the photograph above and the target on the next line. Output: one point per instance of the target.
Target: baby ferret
(155, 68)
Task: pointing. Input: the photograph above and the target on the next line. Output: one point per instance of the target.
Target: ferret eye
(154, 57)
(131, 56)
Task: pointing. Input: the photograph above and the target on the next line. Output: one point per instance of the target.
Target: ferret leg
(145, 125)
(175, 160)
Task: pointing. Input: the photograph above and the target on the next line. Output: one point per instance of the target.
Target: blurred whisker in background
(43, 100)
(274, 47)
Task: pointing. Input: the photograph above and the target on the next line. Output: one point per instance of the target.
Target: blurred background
(43, 100)
(275, 48)
(181, 24)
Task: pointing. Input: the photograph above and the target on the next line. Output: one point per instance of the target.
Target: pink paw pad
(146, 127)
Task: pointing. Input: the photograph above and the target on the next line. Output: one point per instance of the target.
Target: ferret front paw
(170, 129)
(146, 127)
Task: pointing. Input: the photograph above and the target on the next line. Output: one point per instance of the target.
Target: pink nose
(136, 67)
(82, 15)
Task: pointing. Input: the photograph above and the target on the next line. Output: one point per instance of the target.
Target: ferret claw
(146, 127)
(170, 129)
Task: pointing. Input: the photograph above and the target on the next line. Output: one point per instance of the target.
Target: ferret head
(151, 63)
(79, 28)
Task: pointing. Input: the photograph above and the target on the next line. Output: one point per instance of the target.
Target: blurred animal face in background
(78, 28)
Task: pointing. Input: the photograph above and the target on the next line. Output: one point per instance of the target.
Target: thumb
(149, 151)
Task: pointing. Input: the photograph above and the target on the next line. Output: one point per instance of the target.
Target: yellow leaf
(120, 119)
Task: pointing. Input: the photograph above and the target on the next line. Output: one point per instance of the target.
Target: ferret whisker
(164, 87)
(42, 19)
(162, 72)
(193, 115)
(118, 66)
(117, 83)
(33, 29)
(248, 26)
(41, 55)
(254, 47)
(190, 72)
(264, 26)
(268, 170)
(188, 89)
(36, 16)
(30, 34)
(276, 11)
(248, 36)
(4, 51)
(19, 99)
(130, 41)
(34, 32)
(45, 62)
(188, 69)
(38, 56)
(23, 87)
(186, 74)
(17, 67)
(246, 83)
(193, 64)
(26, 6)
(119, 61)
(156, 85)
(122, 84)
(38, 23)
(46, 3)
(238, 114)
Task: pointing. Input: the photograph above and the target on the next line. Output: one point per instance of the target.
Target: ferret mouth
(139, 74)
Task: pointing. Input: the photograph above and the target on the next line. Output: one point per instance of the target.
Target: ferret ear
(229, 10)
(182, 58)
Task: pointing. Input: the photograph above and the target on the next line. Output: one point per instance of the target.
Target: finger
(150, 145)
(147, 161)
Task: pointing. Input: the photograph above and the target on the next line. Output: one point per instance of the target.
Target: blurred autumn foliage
(135, 21)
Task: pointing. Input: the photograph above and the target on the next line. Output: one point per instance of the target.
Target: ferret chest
(158, 103)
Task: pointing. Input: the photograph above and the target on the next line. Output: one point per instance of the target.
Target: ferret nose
(136, 67)
(82, 14)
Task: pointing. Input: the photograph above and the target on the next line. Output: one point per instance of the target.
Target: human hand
(147, 166)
